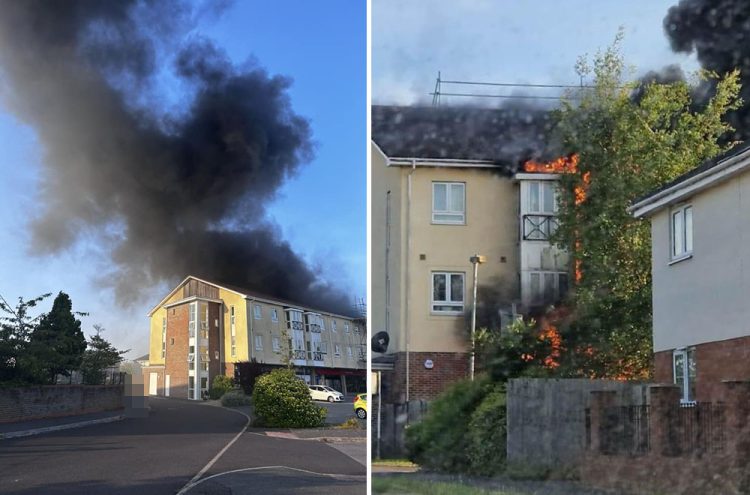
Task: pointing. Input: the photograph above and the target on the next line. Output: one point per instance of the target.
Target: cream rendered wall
(344, 339)
(490, 230)
(156, 321)
(386, 179)
(268, 329)
(704, 298)
(240, 314)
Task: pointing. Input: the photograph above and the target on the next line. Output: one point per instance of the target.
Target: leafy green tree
(282, 400)
(99, 356)
(630, 138)
(57, 341)
(16, 326)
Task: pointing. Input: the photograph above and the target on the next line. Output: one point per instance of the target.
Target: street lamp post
(475, 260)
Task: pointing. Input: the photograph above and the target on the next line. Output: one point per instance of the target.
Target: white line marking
(68, 426)
(194, 480)
(351, 477)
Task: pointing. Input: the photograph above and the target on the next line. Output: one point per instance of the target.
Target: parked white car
(322, 392)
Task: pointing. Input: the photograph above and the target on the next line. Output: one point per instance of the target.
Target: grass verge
(404, 486)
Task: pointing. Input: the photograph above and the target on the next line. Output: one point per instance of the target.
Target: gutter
(724, 170)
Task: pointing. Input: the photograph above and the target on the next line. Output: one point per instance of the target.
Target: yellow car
(360, 406)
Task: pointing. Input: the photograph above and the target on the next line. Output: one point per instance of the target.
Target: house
(202, 329)
(700, 286)
(447, 184)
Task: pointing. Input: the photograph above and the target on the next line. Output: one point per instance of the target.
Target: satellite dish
(380, 341)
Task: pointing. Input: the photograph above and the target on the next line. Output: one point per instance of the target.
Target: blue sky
(506, 41)
(321, 211)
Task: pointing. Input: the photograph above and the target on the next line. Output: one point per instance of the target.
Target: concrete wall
(547, 421)
(47, 401)
(704, 298)
(394, 418)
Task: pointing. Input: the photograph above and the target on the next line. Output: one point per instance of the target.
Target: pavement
(38, 426)
(181, 447)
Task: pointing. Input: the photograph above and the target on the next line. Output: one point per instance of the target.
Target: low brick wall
(49, 401)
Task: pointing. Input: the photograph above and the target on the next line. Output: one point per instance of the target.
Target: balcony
(318, 355)
(299, 354)
(538, 227)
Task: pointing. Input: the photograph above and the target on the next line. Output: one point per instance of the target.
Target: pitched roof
(245, 293)
(505, 136)
(701, 177)
(145, 357)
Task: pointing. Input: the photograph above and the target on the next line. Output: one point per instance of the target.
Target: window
(204, 320)
(448, 202)
(547, 287)
(682, 232)
(542, 197)
(346, 327)
(274, 315)
(233, 329)
(163, 337)
(258, 342)
(192, 317)
(333, 325)
(349, 352)
(683, 362)
(447, 292)
(276, 345)
(338, 350)
(258, 311)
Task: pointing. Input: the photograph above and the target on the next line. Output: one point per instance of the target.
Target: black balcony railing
(538, 227)
(299, 354)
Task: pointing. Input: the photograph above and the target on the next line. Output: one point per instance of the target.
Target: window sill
(681, 258)
(446, 313)
(448, 223)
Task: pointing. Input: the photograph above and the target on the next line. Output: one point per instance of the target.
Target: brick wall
(715, 361)
(424, 384)
(175, 363)
(48, 401)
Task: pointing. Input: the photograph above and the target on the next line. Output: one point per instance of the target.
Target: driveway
(160, 454)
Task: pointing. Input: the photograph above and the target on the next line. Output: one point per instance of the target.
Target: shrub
(283, 401)
(220, 386)
(441, 441)
(235, 398)
(487, 435)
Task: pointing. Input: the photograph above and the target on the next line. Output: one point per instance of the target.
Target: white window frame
(687, 354)
(276, 345)
(681, 243)
(459, 215)
(333, 325)
(258, 342)
(449, 301)
(346, 327)
(274, 315)
(338, 350)
(546, 188)
(533, 299)
(349, 351)
(163, 337)
(257, 312)
(233, 330)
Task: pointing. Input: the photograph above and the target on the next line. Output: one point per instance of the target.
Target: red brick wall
(715, 361)
(425, 384)
(175, 363)
(159, 370)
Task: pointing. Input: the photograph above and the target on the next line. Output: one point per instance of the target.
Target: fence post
(600, 400)
(664, 405)
(737, 417)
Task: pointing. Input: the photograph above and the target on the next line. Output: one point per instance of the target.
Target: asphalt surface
(160, 454)
(338, 412)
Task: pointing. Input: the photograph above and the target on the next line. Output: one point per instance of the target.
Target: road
(160, 454)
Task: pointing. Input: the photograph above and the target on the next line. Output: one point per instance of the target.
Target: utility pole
(475, 260)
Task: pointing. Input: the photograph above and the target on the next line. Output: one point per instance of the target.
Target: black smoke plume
(718, 31)
(174, 191)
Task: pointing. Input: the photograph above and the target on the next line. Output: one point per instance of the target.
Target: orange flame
(562, 165)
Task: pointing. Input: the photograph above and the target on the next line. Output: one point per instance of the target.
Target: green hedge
(463, 430)
(220, 386)
(282, 400)
(235, 398)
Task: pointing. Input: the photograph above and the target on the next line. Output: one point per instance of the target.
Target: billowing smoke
(718, 31)
(173, 192)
